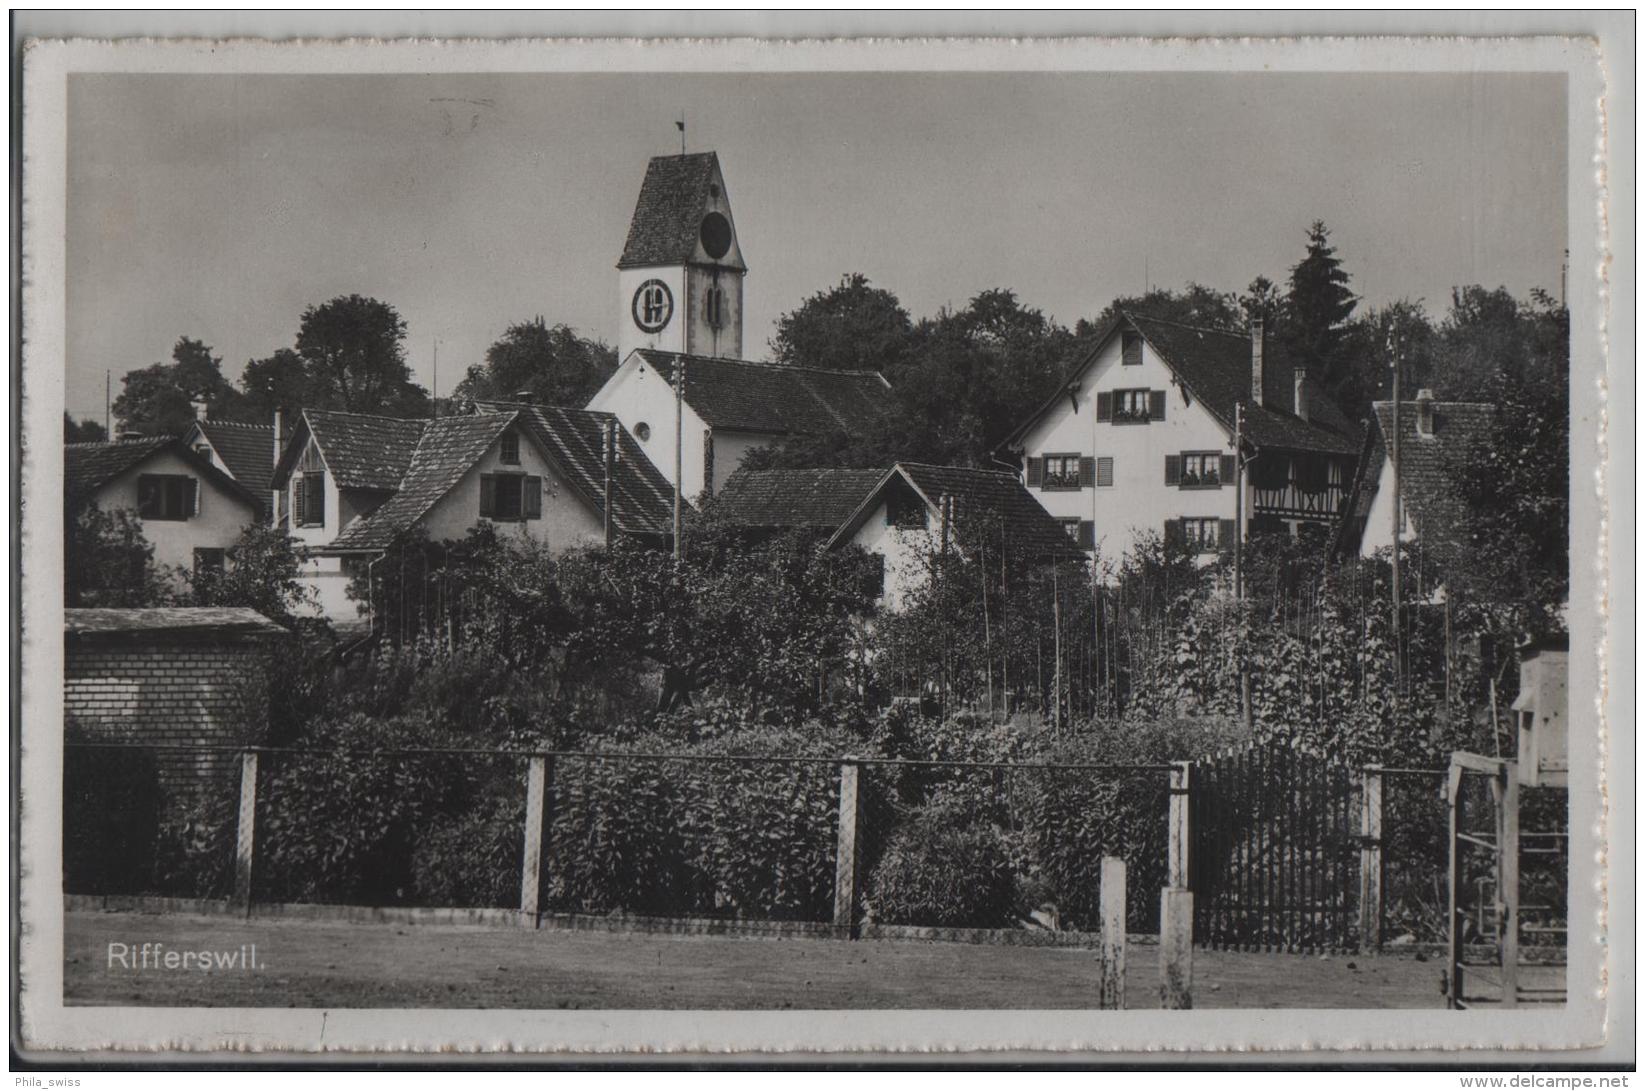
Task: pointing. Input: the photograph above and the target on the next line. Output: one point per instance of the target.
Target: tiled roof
(361, 451)
(986, 498)
(87, 467)
(642, 498)
(794, 498)
(1430, 489)
(751, 397)
(1215, 366)
(447, 449)
(669, 212)
(171, 621)
(247, 450)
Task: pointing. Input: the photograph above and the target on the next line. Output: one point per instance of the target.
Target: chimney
(200, 409)
(126, 436)
(1256, 361)
(525, 396)
(1302, 393)
(1425, 412)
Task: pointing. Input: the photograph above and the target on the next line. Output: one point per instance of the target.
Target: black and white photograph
(782, 538)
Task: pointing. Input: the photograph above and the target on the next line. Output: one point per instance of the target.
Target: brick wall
(166, 690)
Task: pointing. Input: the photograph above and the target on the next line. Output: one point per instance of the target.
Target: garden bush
(944, 867)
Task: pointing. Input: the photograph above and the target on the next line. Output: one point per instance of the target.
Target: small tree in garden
(260, 572)
(108, 561)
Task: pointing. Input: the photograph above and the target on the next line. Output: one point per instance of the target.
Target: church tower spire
(680, 279)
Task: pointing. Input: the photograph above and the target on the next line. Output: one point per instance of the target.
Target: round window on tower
(642, 431)
(716, 235)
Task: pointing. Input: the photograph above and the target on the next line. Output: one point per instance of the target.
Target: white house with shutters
(349, 486)
(1139, 440)
(192, 513)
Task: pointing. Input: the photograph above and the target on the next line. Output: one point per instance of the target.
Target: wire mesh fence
(720, 836)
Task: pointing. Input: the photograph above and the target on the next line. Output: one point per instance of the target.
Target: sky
(219, 207)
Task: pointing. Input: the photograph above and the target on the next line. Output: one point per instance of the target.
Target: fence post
(245, 839)
(1370, 860)
(1177, 842)
(1111, 994)
(1176, 948)
(1508, 881)
(531, 866)
(845, 853)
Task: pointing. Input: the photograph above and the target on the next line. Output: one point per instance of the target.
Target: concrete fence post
(245, 838)
(1370, 860)
(1176, 948)
(536, 782)
(1177, 839)
(1111, 993)
(845, 855)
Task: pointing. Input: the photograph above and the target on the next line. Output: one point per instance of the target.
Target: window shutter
(317, 499)
(488, 496)
(1156, 405)
(1173, 470)
(1105, 405)
(148, 495)
(532, 501)
(1036, 472)
(191, 496)
(1087, 535)
(1088, 472)
(1227, 470)
(1173, 533)
(1105, 473)
(1225, 533)
(299, 505)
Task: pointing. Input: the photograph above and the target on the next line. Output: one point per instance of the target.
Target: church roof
(668, 215)
(744, 396)
(794, 498)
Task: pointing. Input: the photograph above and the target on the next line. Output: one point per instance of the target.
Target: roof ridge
(119, 442)
(764, 363)
(241, 423)
(964, 469)
(1184, 325)
(1436, 401)
(369, 416)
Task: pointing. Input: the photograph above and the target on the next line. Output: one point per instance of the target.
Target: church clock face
(653, 306)
(715, 234)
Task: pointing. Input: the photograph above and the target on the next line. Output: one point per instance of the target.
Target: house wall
(729, 449)
(567, 519)
(638, 395)
(671, 338)
(1379, 533)
(1139, 500)
(221, 519)
(326, 579)
(906, 554)
(314, 536)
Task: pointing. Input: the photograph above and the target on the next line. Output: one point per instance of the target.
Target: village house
(191, 512)
(904, 515)
(680, 283)
(1434, 441)
(350, 485)
(1139, 440)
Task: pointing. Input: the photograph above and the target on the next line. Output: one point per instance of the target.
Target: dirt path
(307, 964)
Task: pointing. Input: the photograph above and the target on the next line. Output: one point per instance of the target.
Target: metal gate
(1274, 856)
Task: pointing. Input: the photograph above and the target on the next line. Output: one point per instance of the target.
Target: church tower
(680, 279)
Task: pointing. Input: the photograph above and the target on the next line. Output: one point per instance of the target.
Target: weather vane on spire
(680, 125)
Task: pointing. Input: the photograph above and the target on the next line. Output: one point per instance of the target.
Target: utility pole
(610, 465)
(108, 391)
(679, 452)
(1056, 651)
(434, 397)
(1398, 520)
(1239, 560)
